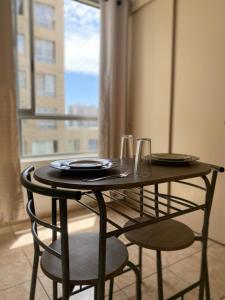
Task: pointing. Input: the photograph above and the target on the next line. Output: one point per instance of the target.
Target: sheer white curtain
(113, 83)
(10, 189)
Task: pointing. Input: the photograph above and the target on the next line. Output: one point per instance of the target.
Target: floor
(180, 268)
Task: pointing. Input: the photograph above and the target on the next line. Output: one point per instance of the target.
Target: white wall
(199, 99)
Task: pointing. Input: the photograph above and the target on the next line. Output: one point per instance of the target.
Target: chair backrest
(55, 194)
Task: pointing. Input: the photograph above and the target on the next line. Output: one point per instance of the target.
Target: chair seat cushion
(83, 259)
(165, 235)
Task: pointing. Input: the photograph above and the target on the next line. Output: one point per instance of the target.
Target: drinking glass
(126, 153)
(142, 166)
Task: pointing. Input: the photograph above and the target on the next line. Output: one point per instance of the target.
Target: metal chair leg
(34, 274)
(159, 275)
(55, 290)
(95, 293)
(111, 284)
(207, 286)
(140, 259)
(138, 280)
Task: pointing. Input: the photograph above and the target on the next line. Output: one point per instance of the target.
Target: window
(44, 15)
(44, 147)
(22, 80)
(58, 77)
(46, 124)
(74, 146)
(92, 145)
(44, 51)
(45, 85)
(19, 7)
(20, 43)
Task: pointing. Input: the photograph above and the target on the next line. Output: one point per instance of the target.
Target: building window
(46, 124)
(20, 43)
(44, 147)
(19, 7)
(45, 85)
(22, 80)
(74, 146)
(44, 51)
(44, 15)
(92, 145)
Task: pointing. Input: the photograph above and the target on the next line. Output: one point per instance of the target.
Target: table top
(159, 174)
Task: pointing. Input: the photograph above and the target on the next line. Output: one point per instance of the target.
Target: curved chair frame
(62, 195)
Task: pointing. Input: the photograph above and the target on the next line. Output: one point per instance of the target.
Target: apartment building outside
(48, 136)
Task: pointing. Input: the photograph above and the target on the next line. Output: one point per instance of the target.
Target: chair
(71, 259)
(171, 235)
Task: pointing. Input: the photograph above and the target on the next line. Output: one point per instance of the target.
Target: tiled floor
(180, 268)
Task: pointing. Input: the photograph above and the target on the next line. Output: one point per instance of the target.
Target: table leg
(210, 187)
(64, 249)
(54, 238)
(102, 246)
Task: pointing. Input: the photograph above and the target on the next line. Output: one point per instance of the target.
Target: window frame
(30, 113)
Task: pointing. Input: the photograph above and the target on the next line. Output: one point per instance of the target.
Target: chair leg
(138, 279)
(159, 275)
(55, 290)
(95, 293)
(140, 259)
(34, 275)
(111, 284)
(207, 286)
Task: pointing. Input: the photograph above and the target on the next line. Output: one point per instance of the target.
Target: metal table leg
(102, 246)
(64, 249)
(204, 268)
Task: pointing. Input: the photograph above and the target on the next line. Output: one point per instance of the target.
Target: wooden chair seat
(166, 235)
(83, 259)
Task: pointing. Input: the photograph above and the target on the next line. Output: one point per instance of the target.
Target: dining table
(134, 196)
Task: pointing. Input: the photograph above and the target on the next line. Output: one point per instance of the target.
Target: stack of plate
(83, 165)
(173, 159)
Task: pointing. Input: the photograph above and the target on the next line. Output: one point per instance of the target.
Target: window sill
(45, 160)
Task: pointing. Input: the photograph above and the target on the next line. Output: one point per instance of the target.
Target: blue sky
(81, 45)
(81, 88)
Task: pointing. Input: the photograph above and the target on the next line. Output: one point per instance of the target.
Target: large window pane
(44, 51)
(66, 41)
(44, 15)
(81, 60)
(80, 138)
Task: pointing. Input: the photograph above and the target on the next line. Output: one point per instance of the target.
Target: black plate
(174, 162)
(64, 165)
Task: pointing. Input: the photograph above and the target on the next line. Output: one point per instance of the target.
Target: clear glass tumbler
(126, 154)
(142, 166)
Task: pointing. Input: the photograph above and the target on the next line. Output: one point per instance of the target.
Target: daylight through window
(58, 77)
